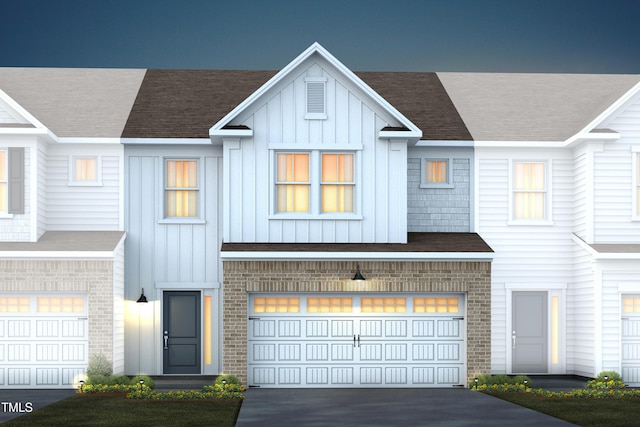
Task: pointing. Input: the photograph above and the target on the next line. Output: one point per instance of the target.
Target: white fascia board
(520, 144)
(217, 136)
(444, 143)
(314, 48)
(400, 134)
(165, 141)
(93, 255)
(606, 113)
(369, 256)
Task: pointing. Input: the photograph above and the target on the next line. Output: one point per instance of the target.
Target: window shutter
(16, 180)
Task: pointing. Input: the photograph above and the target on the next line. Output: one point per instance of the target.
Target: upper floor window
(529, 190)
(181, 188)
(85, 171)
(337, 182)
(436, 173)
(315, 183)
(292, 182)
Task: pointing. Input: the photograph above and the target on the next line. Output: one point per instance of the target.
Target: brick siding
(243, 277)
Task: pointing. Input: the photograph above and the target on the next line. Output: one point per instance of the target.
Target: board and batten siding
(525, 254)
(352, 124)
(84, 207)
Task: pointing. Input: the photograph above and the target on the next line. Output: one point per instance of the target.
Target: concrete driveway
(384, 407)
(14, 403)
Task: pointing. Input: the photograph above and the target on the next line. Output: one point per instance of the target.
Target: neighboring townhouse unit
(317, 227)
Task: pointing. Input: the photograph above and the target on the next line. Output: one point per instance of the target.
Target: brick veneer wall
(95, 278)
(243, 277)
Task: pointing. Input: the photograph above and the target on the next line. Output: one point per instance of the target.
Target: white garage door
(43, 340)
(631, 340)
(356, 340)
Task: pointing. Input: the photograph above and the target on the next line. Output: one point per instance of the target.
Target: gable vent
(316, 98)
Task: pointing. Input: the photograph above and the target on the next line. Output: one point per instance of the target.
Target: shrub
(500, 379)
(99, 365)
(108, 380)
(147, 381)
(227, 379)
(612, 376)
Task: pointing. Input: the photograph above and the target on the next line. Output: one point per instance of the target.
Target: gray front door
(181, 333)
(529, 340)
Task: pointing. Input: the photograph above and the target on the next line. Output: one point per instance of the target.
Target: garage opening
(43, 340)
(356, 340)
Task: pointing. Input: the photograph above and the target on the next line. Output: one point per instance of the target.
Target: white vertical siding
(352, 125)
(118, 309)
(42, 188)
(72, 207)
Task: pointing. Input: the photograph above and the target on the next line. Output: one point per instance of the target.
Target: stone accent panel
(243, 277)
(94, 278)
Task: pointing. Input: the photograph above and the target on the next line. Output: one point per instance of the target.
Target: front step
(182, 382)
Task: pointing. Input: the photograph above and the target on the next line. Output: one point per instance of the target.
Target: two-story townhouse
(246, 236)
(61, 222)
(556, 190)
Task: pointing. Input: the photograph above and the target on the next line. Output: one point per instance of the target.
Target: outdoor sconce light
(359, 277)
(142, 297)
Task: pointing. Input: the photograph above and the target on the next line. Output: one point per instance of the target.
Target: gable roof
(410, 130)
(73, 102)
(532, 107)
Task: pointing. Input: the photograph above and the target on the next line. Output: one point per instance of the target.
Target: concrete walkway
(384, 407)
(14, 403)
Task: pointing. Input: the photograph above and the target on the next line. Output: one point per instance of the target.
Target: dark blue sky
(575, 36)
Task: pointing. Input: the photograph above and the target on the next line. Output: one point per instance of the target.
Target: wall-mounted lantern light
(359, 277)
(142, 297)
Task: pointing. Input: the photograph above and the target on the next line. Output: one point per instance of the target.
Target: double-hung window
(529, 191)
(315, 183)
(181, 188)
(292, 182)
(337, 182)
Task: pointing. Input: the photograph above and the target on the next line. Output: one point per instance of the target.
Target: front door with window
(181, 333)
(529, 339)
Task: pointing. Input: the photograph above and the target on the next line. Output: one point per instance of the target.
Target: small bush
(227, 379)
(612, 376)
(108, 380)
(99, 365)
(147, 381)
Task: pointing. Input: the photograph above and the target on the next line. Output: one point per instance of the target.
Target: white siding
(118, 309)
(352, 125)
(627, 120)
(581, 309)
(42, 188)
(73, 207)
(613, 181)
(582, 195)
(524, 254)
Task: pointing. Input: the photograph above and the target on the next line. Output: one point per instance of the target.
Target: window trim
(200, 218)
(73, 182)
(423, 173)
(548, 208)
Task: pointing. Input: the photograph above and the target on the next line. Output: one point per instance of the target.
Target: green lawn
(583, 412)
(104, 410)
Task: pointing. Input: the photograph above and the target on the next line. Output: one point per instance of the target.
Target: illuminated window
(14, 304)
(276, 305)
(292, 182)
(337, 183)
(631, 305)
(437, 172)
(435, 305)
(60, 305)
(85, 169)
(383, 305)
(181, 188)
(329, 305)
(529, 191)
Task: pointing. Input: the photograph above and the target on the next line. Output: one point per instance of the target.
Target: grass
(108, 410)
(583, 412)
